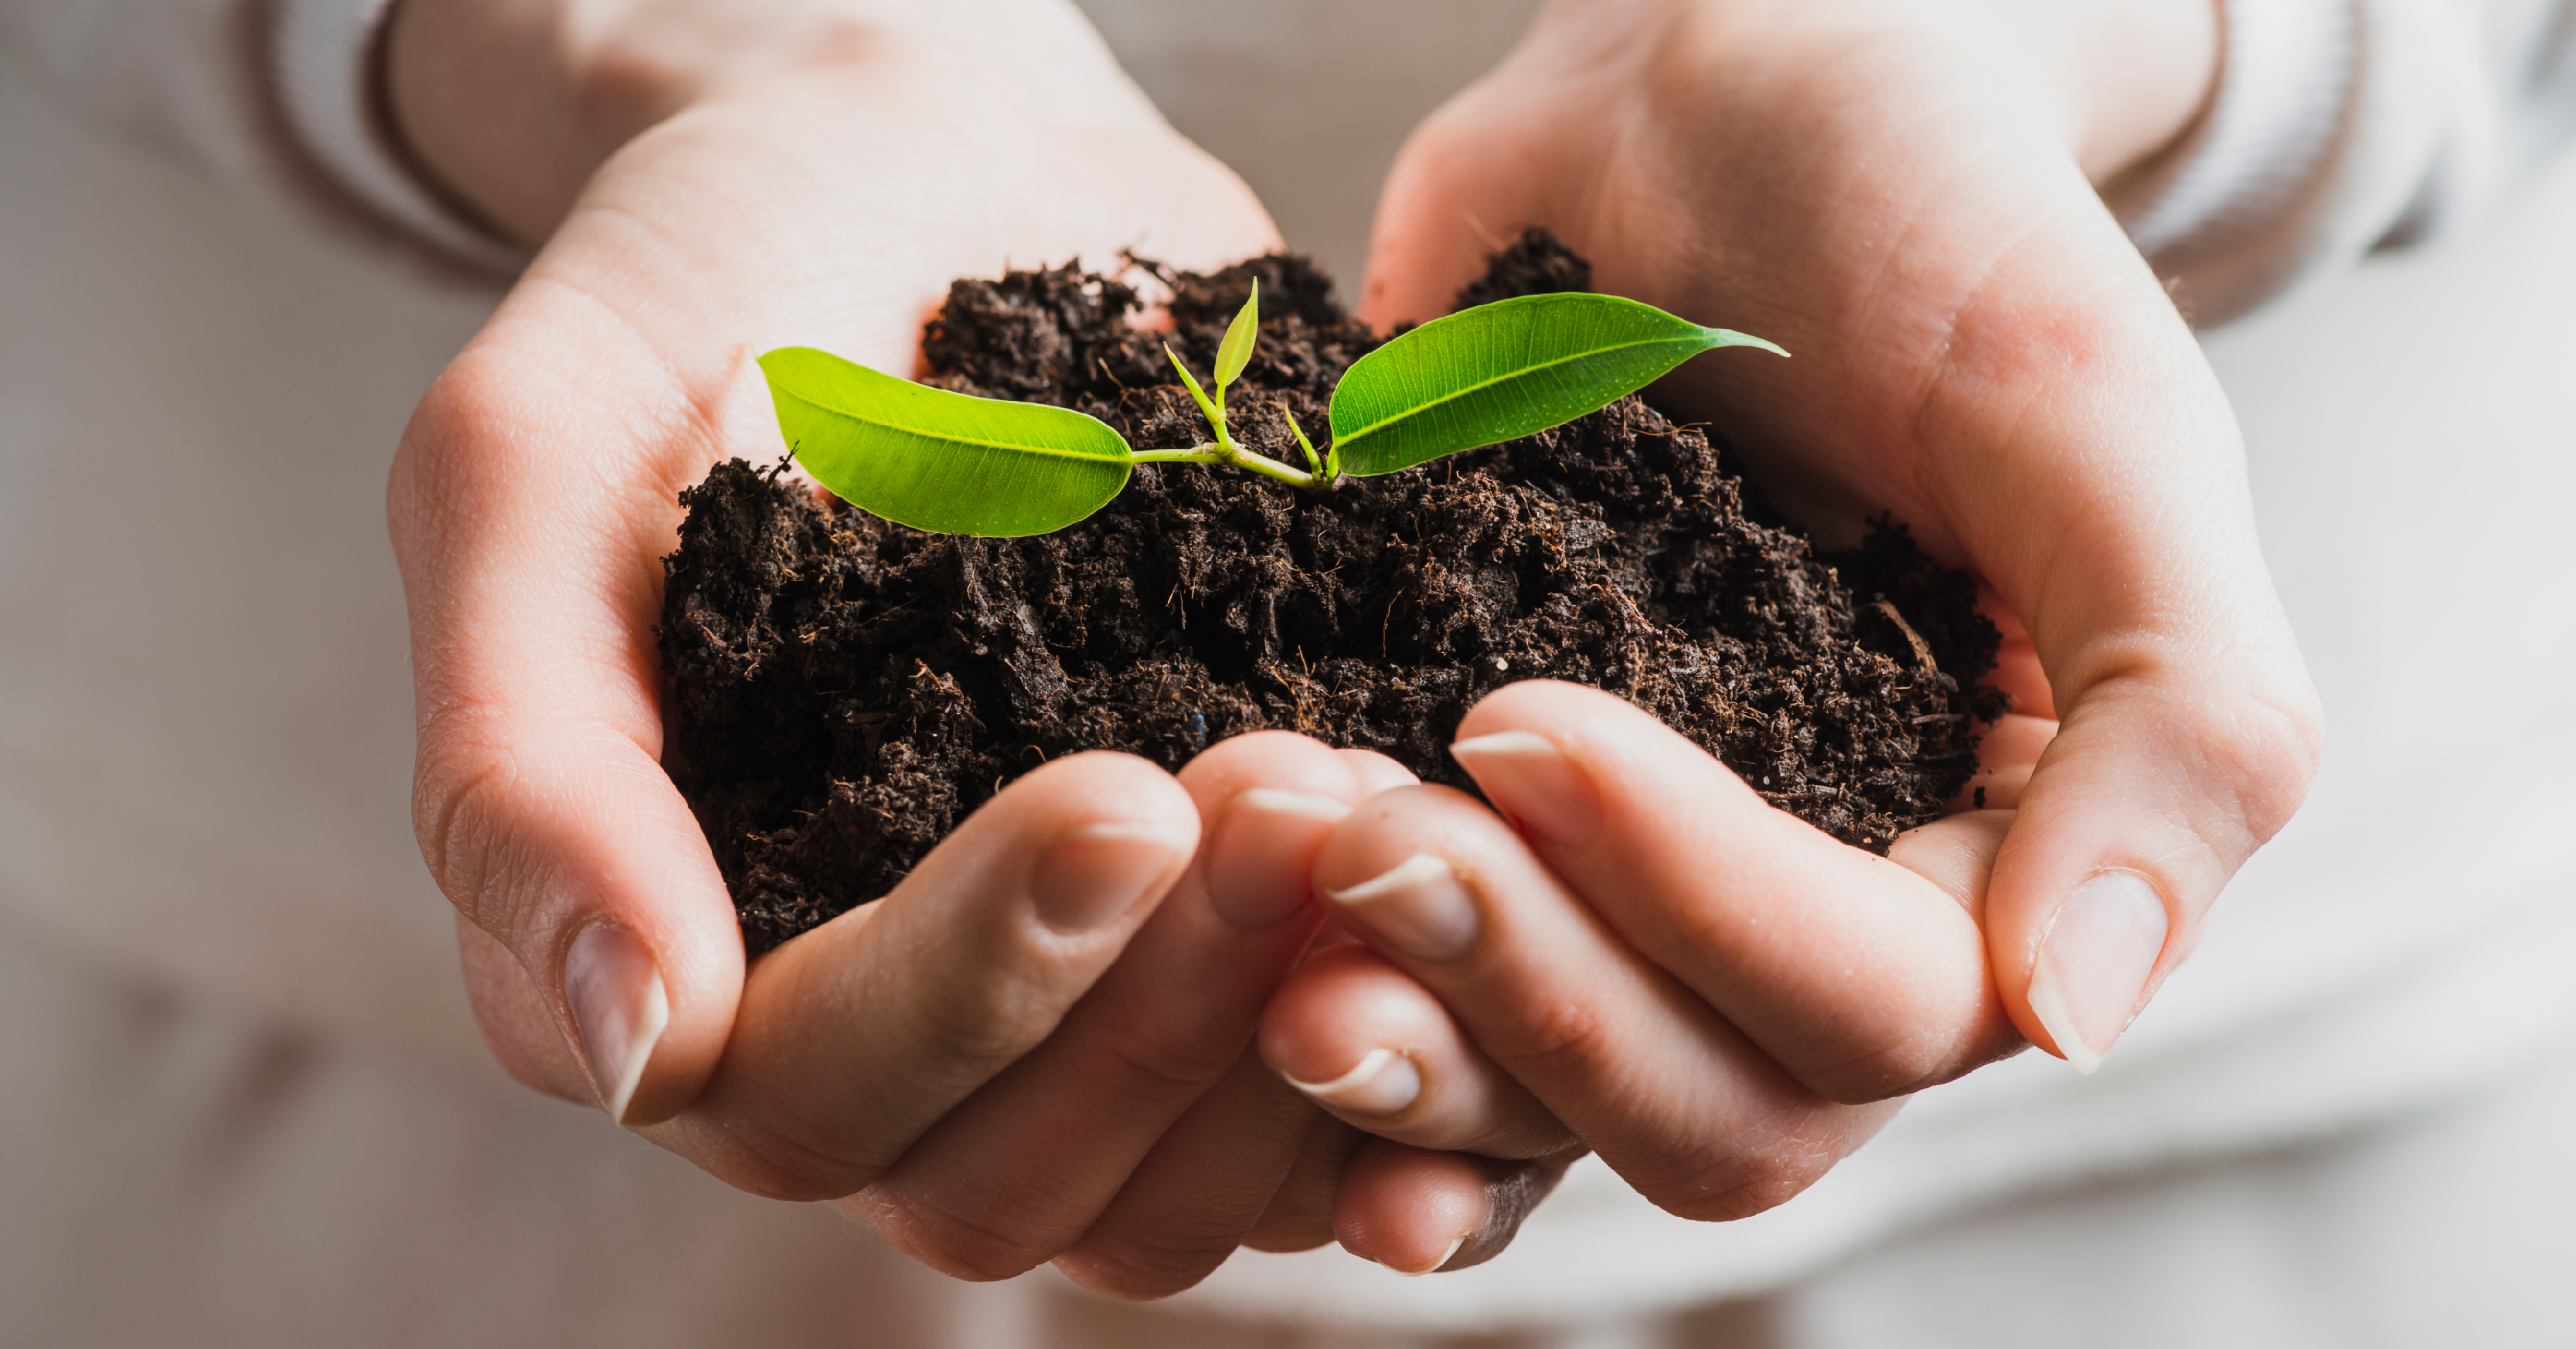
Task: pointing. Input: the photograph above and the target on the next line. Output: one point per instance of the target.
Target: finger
(2153, 792)
(2120, 529)
(1300, 1216)
(1417, 1211)
(2187, 728)
(537, 796)
(1197, 1195)
(1376, 772)
(1956, 853)
(1684, 1107)
(566, 843)
(1018, 1173)
(2007, 754)
(1367, 1043)
(1860, 977)
(535, 491)
(857, 1036)
(2018, 672)
(2016, 385)
(2104, 496)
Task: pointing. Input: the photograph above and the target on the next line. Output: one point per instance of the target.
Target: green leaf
(1505, 370)
(942, 461)
(1236, 351)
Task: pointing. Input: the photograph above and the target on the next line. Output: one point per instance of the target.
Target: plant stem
(1232, 455)
(1225, 451)
(1269, 467)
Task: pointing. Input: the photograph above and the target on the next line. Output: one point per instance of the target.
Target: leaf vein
(951, 437)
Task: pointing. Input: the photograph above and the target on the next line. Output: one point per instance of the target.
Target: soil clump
(846, 690)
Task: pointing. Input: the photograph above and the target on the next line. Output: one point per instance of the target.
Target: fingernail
(620, 1008)
(1258, 863)
(1434, 1267)
(1532, 781)
(1421, 908)
(1095, 873)
(2094, 963)
(1384, 1083)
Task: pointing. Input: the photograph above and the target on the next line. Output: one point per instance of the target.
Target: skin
(987, 1086)
(1903, 195)
(1717, 998)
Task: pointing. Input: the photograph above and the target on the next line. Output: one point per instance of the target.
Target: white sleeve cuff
(328, 64)
(2212, 209)
(2284, 81)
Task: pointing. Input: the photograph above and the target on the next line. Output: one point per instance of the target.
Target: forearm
(511, 104)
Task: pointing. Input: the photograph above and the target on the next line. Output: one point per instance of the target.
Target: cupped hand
(1036, 1047)
(1903, 195)
(1706, 991)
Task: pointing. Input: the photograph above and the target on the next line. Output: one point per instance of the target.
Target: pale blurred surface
(243, 1104)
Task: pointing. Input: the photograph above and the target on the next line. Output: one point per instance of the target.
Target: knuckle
(1556, 1039)
(2238, 736)
(1138, 1266)
(459, 796)
(2272, 739)
(1169, 1060)
(459, 420)
(984, 1246)
(781, 1164)
(517, 1027)
(983, 1022)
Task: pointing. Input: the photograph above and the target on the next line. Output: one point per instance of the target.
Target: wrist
(2149, 68)
(484, 95)
(2125, 78)
(509, 106)
(2119, 80)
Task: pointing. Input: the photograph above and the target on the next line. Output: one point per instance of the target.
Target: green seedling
(952, 464)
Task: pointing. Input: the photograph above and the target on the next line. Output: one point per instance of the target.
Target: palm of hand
(1980, 353)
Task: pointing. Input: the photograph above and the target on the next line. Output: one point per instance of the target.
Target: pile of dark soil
(848, 689)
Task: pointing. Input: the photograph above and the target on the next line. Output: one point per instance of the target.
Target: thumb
(567, 850)
(2188, 738)
(2078, 441)
(539, 804)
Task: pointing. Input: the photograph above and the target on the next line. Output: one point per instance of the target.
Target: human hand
(1903, 195)
(1035, 1048)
